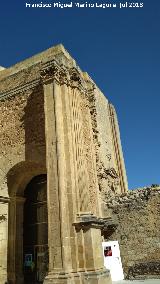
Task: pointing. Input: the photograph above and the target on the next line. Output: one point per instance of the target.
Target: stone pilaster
(75, 255)
(54, 226)
(3, 238)
(19, 240)
(60, 261)
(12, 241)
(15, 241)
(89, 228)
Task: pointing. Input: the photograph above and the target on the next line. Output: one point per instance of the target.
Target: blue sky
(119, 48)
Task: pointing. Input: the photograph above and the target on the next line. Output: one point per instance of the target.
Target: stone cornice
(70, 76)
(55, 71)
(4, 199)
(20, 89)
(87, 220)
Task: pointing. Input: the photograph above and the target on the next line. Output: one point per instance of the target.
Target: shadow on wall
(20, 175)
(34, 125)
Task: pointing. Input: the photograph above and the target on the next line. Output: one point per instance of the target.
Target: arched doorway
(35, 231)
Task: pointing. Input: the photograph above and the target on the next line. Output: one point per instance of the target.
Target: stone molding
(54, 71)
(20, 89)
(4, 199)
(86, 221)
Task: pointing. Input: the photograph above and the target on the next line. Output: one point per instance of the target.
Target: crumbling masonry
(60, 152)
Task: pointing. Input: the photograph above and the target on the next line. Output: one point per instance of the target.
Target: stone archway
(18, 178)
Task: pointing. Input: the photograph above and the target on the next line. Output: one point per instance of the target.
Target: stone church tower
(60, 152)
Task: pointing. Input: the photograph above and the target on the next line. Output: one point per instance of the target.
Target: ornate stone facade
(56, 122)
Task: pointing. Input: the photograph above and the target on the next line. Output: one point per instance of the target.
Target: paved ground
(148, 281)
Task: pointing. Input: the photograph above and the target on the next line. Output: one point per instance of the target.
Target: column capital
(18, 199)
(63, 75)
(87, 220)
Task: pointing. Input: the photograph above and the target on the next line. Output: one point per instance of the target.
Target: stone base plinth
(63, 278)
(97, 277)
(90, 277)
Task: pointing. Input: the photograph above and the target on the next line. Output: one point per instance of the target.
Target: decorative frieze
(49, 71)
(20, 89)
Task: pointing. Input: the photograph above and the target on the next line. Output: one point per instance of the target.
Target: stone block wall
(137, 215)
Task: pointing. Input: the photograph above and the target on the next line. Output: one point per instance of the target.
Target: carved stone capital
(86, 221)
(50, 71)
(53, 71)
(76, 80)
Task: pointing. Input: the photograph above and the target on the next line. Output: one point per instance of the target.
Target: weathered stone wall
(138, 232)
(109, 157)
(22, 130)
(22, 145)
(53, 116)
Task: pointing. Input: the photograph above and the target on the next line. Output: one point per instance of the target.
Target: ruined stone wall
(22, 130)
(137, 215)
(76, 138)
(109, 157)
